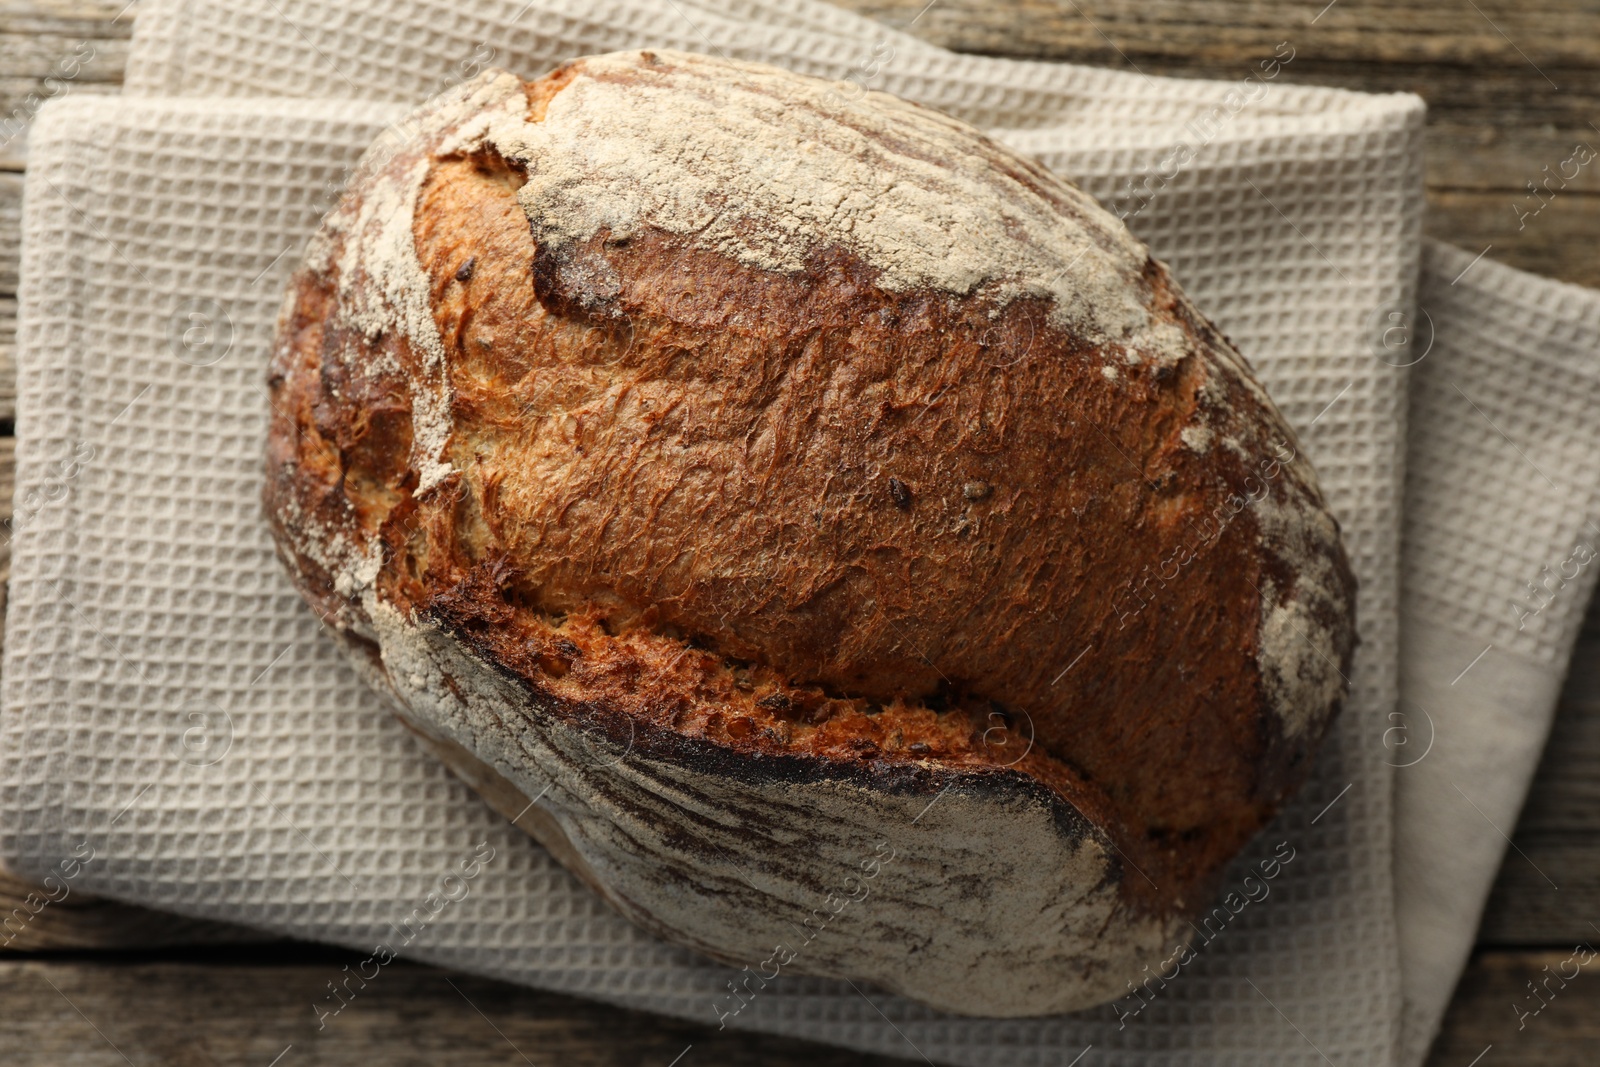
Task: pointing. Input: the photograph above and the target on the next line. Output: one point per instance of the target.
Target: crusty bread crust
(778, 491)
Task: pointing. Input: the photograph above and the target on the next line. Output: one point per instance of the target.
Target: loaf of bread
(829, 533)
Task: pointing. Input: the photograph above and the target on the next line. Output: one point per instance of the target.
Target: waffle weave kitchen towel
(1498, 565)
(166, 696)
(172, 705)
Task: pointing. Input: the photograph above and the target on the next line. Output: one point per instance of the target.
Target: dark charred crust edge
(1000, 786)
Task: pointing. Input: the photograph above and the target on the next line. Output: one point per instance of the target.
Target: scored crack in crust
(733, 468)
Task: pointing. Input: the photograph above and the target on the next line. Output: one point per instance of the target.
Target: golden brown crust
(801, 515)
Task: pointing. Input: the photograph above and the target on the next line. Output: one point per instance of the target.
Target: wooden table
(1512, 86)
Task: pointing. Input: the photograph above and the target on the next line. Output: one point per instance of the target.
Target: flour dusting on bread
(767, 166)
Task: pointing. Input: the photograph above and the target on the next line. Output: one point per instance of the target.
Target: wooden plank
(10, 259)
(8, 485)
(70, 1013)
(50, 48)
(67, 17)
(8, 362)
(228, 1009)
(10, 231)
(1548, 888)
(1220, 31)
(1494, 992)
(1568, 231)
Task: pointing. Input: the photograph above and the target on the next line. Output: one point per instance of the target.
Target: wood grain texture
(50, 48)
(10, 233)
(1215, 32)
(8, 484)
(1548, 888)
(1494, 992)
(71, 1013)
(10, 260)
(248, 1008)
(8, 363)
